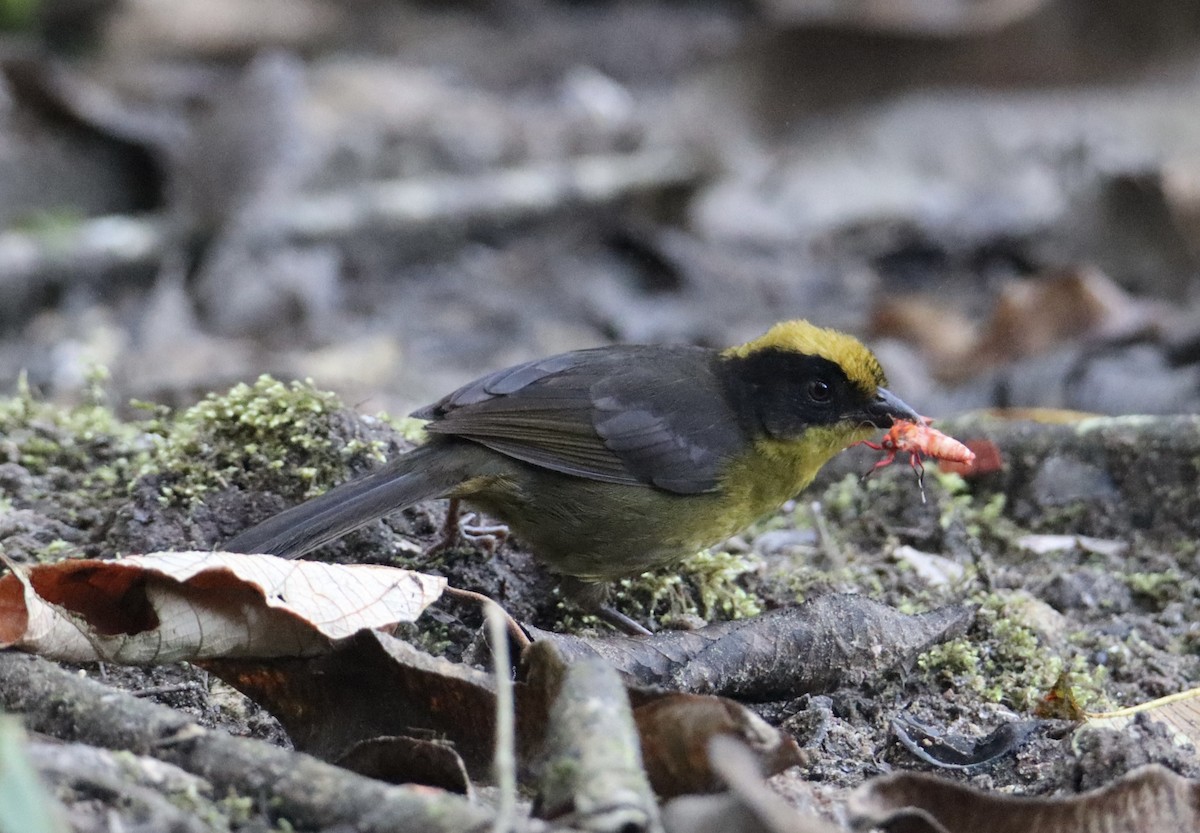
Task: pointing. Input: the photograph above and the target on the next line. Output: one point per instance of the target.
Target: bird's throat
(774, 471)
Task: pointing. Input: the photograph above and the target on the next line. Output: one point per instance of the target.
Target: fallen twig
(591, 775)
(505, 760)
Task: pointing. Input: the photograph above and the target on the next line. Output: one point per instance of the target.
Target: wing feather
(632, 415)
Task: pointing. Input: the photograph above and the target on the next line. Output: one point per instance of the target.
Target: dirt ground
(388, 199)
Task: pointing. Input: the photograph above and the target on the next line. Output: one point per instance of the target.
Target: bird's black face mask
(782, 393)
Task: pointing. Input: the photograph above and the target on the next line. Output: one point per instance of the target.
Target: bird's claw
(489, 537)
(460, 529)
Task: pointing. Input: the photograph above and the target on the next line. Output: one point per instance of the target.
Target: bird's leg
(459, 529)
(617, 619)
(592, 597)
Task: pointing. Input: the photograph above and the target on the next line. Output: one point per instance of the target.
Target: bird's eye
(819, 390)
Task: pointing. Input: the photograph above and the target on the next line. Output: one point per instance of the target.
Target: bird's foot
(490, 537)
(592, 597)
(460, 529)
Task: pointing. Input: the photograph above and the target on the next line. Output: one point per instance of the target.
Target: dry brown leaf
(676, 728)
(750, 805)
(406, 760)
(373, 688)
(1060, 703)
(1031, 316)
(1151, 799)
(939, 331)
(370, 687)
(172, 606)
(1034, 316)
(824, 644)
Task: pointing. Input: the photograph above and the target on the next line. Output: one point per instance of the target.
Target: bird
(610, 461)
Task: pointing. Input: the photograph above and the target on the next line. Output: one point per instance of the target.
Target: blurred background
(1001, 196)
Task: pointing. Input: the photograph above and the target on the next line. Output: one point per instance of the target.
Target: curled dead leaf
(951, 751)
(368, 688)
(1059, 703)
(829, 642)
(1150, 799)
(749, 806)
(676, 729)
(173, 606)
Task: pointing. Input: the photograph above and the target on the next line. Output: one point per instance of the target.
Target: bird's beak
(887, 408)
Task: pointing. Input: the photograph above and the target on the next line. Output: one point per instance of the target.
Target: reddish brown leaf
(1151, 799)
(676, 730)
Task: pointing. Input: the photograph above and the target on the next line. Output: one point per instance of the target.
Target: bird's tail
(426, 472)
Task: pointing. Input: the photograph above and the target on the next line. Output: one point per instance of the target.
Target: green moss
(57, 550)
(954, 517)
(1185, 548)
(960, 507)
(1157, 588)
(87, 439)
(430, 635)
(252, 435)
(410, 428)
(1067, 517)
(708, 585)
(716, 575)
(953, 661)
(237, 810)
(1002, 660)
(844, 496)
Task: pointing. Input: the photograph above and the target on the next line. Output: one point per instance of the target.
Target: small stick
(504, 762)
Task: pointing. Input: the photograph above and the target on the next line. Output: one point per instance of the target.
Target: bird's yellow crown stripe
(859, 363)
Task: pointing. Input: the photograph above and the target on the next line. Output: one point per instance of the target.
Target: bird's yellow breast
(773, 471)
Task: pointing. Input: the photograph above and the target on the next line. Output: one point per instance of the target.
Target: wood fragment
(591, 775)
